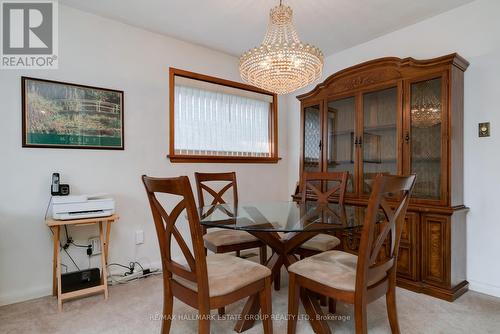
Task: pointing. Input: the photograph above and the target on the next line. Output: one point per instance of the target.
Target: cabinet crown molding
(381, 70)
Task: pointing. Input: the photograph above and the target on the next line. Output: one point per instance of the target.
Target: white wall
(100, 52)
(473, 31)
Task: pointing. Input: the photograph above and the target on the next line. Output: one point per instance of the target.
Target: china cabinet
(399, 116)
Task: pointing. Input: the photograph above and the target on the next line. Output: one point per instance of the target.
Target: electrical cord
(66, 251)
(139, 265)
(130, 267)
(119, 265)
(81, 246)
(69, 240)
(48, 206)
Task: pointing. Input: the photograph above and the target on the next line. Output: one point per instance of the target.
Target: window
(215, 120)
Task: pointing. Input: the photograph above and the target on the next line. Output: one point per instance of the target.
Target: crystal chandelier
(425, 107)
(282, 63)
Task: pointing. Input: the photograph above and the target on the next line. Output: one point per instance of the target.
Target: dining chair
(312, 182)
(202, 282)
(225, 241)
(361, 279)
(322, 242)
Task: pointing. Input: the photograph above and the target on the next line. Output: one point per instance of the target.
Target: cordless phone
(54, 190)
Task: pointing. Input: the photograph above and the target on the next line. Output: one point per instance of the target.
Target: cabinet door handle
(407, 137)
(356, 142)
(360, 141)
(320, 144)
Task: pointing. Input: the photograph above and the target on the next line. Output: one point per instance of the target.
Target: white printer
(82, 206)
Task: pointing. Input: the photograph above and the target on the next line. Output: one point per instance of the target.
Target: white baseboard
(26, 294)
(485, 288)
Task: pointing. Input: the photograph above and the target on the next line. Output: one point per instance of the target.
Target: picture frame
(66, 115)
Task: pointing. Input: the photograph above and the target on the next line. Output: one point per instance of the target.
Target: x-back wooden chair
(360, 279)
(322, 242)
(312, 185)
(225, 241)
(204, 282)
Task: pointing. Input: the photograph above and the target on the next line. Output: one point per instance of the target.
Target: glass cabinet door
(425, 143)
(340, 149)
(312, 139)
(379, 142)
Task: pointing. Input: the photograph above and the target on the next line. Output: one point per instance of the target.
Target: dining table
(284, 227)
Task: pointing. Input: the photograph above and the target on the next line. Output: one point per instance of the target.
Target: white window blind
(216, 120)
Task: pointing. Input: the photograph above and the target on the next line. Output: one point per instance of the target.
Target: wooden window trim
(182, 158)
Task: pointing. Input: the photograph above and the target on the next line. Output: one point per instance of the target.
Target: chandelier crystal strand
(282, 63)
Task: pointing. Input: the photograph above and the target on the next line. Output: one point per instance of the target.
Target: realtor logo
(29, 35)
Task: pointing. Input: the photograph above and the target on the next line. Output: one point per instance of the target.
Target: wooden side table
(55, 226)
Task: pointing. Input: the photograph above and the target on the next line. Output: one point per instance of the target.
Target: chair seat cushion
(321, 243)
(335, 269)
(227, 273)
(228, 237)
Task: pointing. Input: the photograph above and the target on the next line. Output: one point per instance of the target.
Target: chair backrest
(202, 181)
(396, 189)
(310, 181)
(196, 268)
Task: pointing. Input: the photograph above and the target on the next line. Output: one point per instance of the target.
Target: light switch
(484, 129)
(139, 237)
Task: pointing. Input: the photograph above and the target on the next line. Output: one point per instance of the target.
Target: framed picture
(65, 115)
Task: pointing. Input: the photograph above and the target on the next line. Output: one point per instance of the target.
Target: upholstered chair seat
(227, 273)
(227, 237)
(321, 243)
(318, 243)
(335, 269)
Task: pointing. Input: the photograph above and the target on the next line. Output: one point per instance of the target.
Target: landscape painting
(62, 115)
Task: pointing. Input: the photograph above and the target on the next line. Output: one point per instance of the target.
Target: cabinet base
(434, 291)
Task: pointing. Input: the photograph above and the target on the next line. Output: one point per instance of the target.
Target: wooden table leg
(104, 274)
(57, 235)
(282, 256)
(313, 310)
(252, 306)
(106, 243)
(54, 261)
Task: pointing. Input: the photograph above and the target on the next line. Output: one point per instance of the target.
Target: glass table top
(275, 216)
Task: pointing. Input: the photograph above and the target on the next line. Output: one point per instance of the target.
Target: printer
(82, 206)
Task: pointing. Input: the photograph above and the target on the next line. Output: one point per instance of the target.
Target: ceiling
(234, 26)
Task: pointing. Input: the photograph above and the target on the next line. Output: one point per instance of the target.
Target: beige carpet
(131, 308)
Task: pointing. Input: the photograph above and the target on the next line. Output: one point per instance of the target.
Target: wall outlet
(95, 243)
(139, 237)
